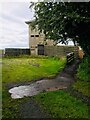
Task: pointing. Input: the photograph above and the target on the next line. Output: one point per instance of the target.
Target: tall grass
(61, 105)
(83, 72)
(83, 77)
(27, 69)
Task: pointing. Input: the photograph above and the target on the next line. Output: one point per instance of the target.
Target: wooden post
(70, 57)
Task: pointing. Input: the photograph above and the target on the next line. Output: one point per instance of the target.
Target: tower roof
(28, 22)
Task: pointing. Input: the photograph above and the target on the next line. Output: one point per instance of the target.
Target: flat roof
(28, 22)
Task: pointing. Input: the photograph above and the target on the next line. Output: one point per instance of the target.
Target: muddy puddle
(37, 87)
(24, 91)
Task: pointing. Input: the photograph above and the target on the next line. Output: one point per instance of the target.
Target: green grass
(0, 93)
(60, 104)
(82, 87)
(26, 69)
(11, 107)
(83, 76)
(57, 103)
(83, 72)
(0, 84)
(20, 70)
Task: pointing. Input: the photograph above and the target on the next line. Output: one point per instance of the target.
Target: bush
(83, 72)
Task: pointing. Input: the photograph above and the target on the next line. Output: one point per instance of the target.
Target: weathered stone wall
(60, 50)
(16, 52)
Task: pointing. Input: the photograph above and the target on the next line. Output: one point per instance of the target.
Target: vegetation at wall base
(83, 72)
(83, 77)
(82, 87)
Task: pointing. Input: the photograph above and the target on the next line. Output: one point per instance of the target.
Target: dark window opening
(32, 35)
(36, 35)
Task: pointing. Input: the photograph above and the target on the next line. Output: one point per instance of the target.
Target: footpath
(63, 81)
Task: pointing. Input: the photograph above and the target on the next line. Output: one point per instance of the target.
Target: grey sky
(13, 30)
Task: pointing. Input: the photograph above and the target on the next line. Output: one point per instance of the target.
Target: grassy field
(57, 103)
(25, 69)
(83, 77)
(83, 72)
(28, 69)
(82, 87)
(61, 105)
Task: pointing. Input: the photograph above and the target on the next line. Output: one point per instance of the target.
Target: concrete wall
(60, 50)
(16, 51)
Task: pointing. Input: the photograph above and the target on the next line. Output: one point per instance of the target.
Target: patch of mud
(22, 91)
(39, 86)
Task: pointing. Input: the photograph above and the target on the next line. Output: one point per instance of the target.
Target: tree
(61, 21)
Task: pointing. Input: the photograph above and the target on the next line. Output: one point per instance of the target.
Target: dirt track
(31, 109)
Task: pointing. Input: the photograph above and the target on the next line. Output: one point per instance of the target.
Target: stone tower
(36, 38)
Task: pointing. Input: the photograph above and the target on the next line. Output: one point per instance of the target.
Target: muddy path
(61, 81)
(31, 109)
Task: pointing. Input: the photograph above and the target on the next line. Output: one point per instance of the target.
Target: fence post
(70, 57)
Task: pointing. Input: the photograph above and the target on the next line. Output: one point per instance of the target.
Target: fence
(44, 50)
(16, 51)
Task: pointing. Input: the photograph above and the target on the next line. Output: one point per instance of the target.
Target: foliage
(61, 105)
(82, 87)
(83, 76)
(83, 72)
(64, 20)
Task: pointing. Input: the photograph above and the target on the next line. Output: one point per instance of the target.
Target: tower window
(32, 35)
(36, 35)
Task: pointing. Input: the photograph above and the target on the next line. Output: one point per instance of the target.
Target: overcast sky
(13, 29)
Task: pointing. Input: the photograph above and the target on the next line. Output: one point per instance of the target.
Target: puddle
(28, 90)
(59, 83)
(37, 87)
(22, 91)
